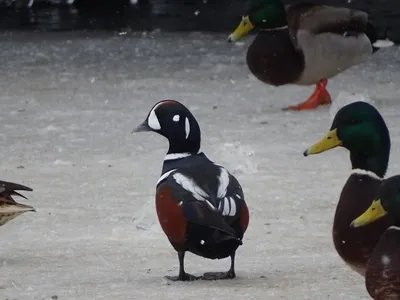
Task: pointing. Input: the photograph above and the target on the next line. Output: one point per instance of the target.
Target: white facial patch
(187, 127)
(176, 118)
(152, 120)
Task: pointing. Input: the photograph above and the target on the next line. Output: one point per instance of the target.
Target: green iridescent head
(264, 14)
(360, 128)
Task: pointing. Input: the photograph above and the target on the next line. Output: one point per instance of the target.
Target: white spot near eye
(176, 118)
(202, 242)
(187, 127)
(385, 259)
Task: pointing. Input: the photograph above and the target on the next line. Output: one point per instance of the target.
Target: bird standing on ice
(305, 44)
(200, 205)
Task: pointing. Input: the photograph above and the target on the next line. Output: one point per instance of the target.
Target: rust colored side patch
(170, 215)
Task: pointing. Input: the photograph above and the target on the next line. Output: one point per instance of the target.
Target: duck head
(175, 122)
(360, 128)
(263, 14)
(387, 203)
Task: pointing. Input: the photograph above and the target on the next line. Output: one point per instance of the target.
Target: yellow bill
(242, 30)
(330, 141)
(373, 213)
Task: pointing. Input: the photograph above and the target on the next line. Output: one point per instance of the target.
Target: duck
(200, 205)
(305, 44)
(382, 278)
(361, 129)
(9, 208)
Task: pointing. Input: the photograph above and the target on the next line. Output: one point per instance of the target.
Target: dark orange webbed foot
(320, 96)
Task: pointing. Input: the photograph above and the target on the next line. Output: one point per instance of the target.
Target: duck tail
(372, 34)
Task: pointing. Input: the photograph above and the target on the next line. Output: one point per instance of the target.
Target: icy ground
(68, 105)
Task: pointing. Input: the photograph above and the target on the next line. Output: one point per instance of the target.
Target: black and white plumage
(208, 182)
(200, 205)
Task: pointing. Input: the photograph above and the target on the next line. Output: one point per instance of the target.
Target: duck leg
(183, 276)
(319, 97)
(222, 275)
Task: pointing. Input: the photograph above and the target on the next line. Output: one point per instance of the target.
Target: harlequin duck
(200, 205)
(9, 209)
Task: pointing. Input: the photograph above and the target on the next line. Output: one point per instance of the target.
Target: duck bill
(142, 127)
(330, 141)
(373, 213)
(242, 30)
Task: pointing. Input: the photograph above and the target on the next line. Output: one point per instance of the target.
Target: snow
(69, 102)
(385, 259)
(344, 98)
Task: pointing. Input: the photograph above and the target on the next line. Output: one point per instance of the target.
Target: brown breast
(355, 245)
(383, 269)
(273, 59)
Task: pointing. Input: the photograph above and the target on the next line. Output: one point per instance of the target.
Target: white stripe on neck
(394, 227)
(365, 172)
(274, 29)
(172, 156)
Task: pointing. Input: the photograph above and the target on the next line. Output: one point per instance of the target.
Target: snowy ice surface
(344, 98)
(68, 105)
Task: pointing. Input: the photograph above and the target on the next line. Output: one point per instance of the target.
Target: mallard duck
(9, 209)
(200, 205)
(382, 277)
(305, 44)
(359, 128)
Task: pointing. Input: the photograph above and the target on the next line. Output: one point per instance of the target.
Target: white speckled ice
(95, 234)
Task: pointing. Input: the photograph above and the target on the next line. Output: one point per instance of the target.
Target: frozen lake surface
(68, 105)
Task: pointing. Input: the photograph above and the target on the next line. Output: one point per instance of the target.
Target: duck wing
(318, 18)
